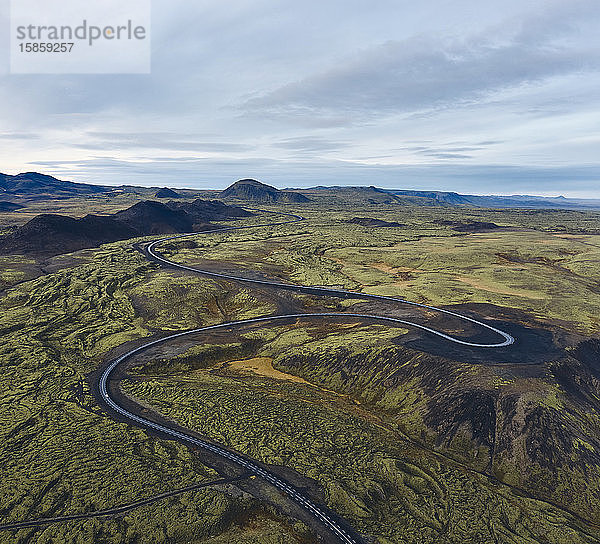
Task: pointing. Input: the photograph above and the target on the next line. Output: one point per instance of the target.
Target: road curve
(320, 513)
(152, 252)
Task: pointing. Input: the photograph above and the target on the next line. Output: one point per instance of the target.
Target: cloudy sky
(476, 96)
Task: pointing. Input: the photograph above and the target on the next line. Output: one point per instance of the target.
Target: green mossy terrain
(544, 262)
(409, 447)
(366, 431)
(59, 453)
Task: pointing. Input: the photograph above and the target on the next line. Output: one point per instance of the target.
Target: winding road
(330, 521)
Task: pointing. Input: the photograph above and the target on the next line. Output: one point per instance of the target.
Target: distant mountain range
(33, 185)
(375, 195)
(492, 201)
(36, 186)
(353, 195)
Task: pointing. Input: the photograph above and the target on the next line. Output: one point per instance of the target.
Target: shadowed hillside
(9, 206)
(250, 189)
(149, 217)
(165, 192)
(51, 234)
(32, 183)
(209, 210)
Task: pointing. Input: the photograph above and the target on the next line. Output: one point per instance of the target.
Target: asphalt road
(323, 515)
(152, 252)
(118, 510)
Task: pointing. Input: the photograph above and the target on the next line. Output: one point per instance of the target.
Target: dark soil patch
(469, 226)
(373, 222)
(533, 344)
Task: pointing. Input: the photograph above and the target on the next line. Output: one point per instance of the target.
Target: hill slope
(50, 234)
(250, 189)
(6, 206)
(33, 183)
(208, 210)
(165, 192)
(150, 217)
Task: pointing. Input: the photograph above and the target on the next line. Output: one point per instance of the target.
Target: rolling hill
(165, 192)
(51, 234)
(208, 210)
(150, 217)
(250, 189)
(6, 206)
(35, 184)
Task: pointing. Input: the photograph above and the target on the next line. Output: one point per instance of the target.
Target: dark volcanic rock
(209, 210)
(165, 192)
(473, 411)
(49, 234)
(250, 189)
(539, 432)
(9, 206)
(469, 226)
(372, 222)
(150, 217)
(588, 353)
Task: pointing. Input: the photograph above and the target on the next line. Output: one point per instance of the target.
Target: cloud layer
(429, 95)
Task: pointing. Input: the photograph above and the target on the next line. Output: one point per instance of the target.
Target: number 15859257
(37, 47)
